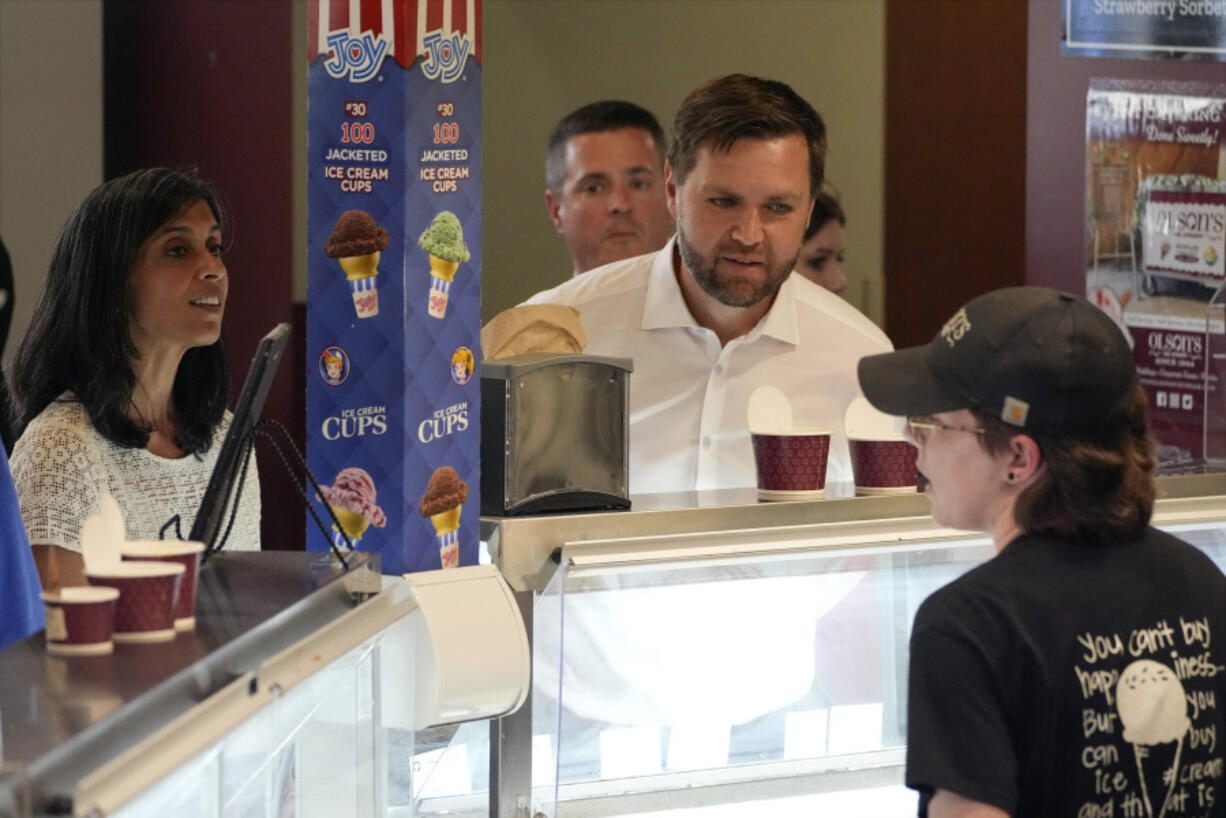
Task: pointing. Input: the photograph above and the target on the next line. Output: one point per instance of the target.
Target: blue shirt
(21, 608)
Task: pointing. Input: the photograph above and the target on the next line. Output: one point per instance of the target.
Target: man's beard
(733, 291)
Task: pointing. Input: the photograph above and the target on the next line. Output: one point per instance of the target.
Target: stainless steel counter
(667, 532)
(524, 547)
(63, 719)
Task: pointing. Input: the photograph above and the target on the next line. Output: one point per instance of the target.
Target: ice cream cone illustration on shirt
(444, 242)
(356, 243)
(1154, 710)
(442, 503)
(352, 498)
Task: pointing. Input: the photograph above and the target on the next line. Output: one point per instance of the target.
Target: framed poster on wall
(1144, 29)
(1155, 250)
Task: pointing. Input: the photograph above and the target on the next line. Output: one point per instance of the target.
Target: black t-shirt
(1067, 679)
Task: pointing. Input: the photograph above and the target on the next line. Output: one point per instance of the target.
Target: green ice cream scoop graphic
(443, 240)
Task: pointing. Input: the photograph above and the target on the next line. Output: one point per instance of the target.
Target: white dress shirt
(689, 395)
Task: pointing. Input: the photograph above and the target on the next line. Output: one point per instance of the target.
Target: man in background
(604, 183)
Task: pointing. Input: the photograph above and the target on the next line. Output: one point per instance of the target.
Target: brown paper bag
(533, 328)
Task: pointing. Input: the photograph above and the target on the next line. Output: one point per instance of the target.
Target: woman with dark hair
(120, 383)
(1055, 679)
(821, 256)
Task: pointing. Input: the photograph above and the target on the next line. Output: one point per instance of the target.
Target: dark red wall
(208, 84)
(955, 157)
(1056, 143)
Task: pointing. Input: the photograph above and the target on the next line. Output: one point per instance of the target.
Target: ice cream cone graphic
(356, 243)
(362, 274)
(447, 529)
(443, 241)
(352, 499)
(442, 503)
(1153, 709)
(352, 523)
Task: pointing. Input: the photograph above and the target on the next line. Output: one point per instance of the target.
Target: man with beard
(718, 312)
(604, 183)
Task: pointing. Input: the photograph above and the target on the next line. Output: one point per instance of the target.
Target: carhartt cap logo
(1015, 411)
(956, 327)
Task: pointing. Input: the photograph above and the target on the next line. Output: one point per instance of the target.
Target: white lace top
(61, 465)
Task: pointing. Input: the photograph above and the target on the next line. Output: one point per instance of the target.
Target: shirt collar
(665, 308)
(780, 323)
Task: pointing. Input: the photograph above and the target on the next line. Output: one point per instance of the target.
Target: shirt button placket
(712, 404)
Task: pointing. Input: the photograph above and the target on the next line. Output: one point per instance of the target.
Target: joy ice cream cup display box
(176, 552)
(356, 243)
(80, 621)
(394, 205)
(148, 593)
(443, 241)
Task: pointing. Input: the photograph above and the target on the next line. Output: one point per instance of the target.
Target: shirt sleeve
(957, 732)
(58, 480)
(21, 609)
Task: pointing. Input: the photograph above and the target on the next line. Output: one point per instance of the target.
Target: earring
(1010, 477)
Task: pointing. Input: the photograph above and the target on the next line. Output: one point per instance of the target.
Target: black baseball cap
(1039, 359)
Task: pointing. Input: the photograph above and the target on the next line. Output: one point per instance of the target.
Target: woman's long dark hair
(79, 338)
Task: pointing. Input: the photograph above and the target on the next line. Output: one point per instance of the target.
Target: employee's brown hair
(736, 107)
(1099, 488)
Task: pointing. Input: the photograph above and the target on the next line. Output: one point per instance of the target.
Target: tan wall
(50, 131)
(544, 58)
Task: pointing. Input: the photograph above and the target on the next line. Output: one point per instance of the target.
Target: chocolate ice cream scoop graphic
(442, 503)
(356, 243)
(444, 242)
(352, 498)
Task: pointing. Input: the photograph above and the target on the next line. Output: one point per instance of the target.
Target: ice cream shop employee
(120, 383)
(718, 312)
(1082, 670)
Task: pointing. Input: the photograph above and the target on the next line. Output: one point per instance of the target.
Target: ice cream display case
(304, 691)
(710, 653)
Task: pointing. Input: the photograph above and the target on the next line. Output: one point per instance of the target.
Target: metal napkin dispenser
(554, 433)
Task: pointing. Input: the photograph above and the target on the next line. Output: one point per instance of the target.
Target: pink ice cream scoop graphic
(352, 498)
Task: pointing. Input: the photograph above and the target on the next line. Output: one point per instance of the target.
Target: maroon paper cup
(792, 464)
(80, 620)
(883, 466)
(148, 592)
(186, 554)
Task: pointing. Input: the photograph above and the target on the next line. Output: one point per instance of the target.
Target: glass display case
(304, 691)
(736, 658)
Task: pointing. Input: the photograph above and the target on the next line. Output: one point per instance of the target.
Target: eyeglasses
(921, 428)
